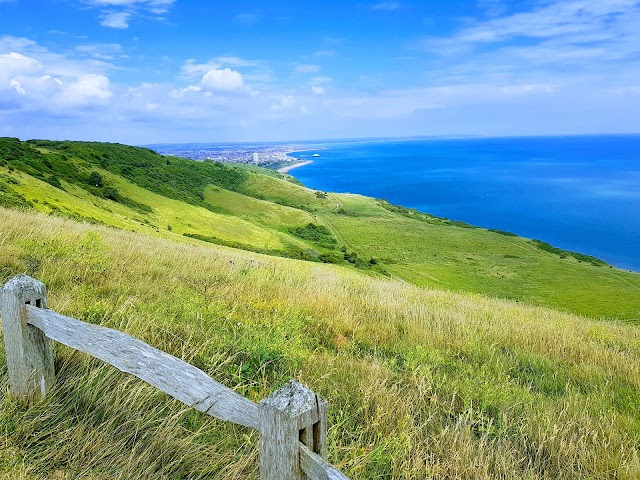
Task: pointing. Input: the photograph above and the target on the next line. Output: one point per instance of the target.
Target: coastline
(611, 237)
(295, 165)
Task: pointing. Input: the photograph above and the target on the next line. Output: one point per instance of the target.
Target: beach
(295, 165)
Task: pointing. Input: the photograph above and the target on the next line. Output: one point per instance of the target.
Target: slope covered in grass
(431, 252)
(421, 383)
(258, 210)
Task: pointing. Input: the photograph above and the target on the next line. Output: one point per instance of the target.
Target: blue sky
(146, 71)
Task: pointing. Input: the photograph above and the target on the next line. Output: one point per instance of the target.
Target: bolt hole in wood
(38, 303)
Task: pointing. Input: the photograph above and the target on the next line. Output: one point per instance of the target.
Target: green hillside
(263, 211)
(421, 383)
(432, 340)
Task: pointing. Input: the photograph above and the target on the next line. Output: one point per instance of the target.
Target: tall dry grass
(421, 383)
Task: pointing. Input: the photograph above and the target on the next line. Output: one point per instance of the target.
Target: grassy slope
(481, 261)
(421, 383)
(242, 205)
(466, 259)
(181, 216)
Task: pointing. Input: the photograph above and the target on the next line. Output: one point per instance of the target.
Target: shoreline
(295, 165)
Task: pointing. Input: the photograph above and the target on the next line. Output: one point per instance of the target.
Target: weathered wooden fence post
(29, 352)
(288, 417)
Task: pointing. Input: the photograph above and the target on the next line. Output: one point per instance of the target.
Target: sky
(174, 71)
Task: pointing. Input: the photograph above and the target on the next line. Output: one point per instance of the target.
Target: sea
(579, 193)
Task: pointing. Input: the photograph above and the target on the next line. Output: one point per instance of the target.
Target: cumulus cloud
(15, 68)
(88, 89)
(181, 92)
(318, 90)
(15, 63)
(192, 70)
(15, 85)
(115, 20)
(225, 80)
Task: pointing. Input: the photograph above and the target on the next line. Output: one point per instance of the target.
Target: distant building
(256, 157)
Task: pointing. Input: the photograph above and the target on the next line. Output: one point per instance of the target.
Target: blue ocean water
(578, 193)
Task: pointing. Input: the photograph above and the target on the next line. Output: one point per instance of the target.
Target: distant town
(268, 156)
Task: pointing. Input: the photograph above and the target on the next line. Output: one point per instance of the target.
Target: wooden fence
(292, 421)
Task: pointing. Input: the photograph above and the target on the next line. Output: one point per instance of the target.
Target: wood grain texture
(173, 376)
(317, 468)
(284, 416)
(320, 428)
(29, 352)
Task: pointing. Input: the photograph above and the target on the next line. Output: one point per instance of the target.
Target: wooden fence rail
(292, 421)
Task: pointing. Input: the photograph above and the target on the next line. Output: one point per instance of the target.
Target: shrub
(95, 179)
(318, 234)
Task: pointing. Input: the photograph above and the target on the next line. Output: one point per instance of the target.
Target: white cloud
(49, 78)
(325, 53)
(307, 68)
(88, 89)
(192, 70)
(186, 91)
(34, 58)
(564, 25)
(385, 6)
(14, 84)
(115, 20)
(222, 80)
(119, 12)
(13, 63)
(318, 90)
(285, 102)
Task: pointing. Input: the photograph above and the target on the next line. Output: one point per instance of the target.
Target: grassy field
(421, 383)
(477, 260)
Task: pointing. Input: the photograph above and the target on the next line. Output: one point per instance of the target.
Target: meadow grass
(259, 211)
(181, 216)
(475, 259)
(421, 383)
